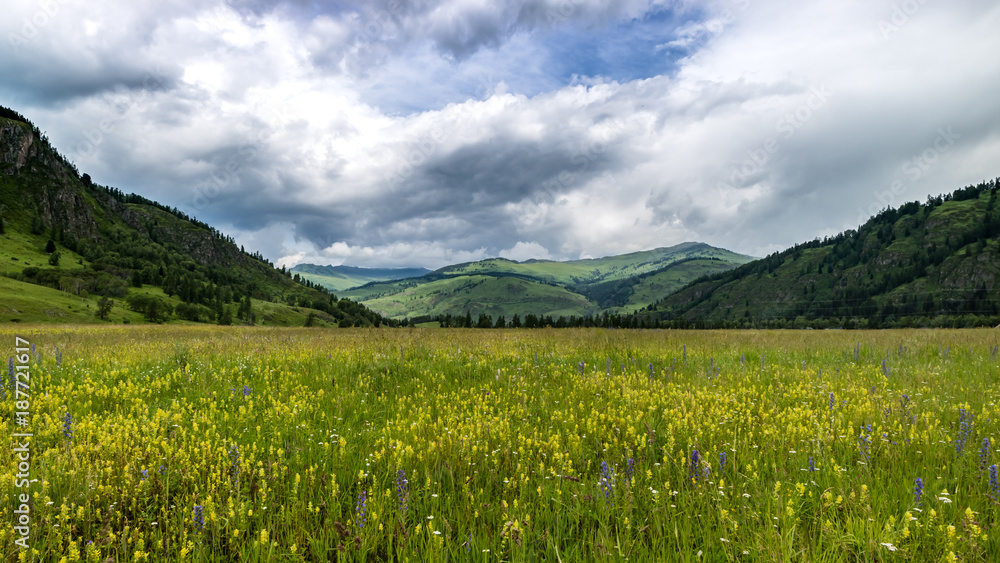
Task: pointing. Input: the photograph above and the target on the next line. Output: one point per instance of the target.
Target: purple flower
(693, 468)
(361, 508)
(68, 427)
(918, 490)
(607, 483)
(964, 427)
(199, 517)
(994, 488)
(402, 491)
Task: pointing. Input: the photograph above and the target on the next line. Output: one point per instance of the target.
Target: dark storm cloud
(422, 133)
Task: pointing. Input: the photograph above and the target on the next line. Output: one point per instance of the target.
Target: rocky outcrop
(17, 145)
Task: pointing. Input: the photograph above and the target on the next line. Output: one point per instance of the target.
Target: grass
(482, 294)
(29, 303)
(194, 443)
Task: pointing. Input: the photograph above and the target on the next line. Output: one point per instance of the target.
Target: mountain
(70, 249)
(930, 264)
(498, 287)
(339, 278)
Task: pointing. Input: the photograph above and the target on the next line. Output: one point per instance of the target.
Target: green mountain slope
(339, 278)
(501, 287)
(935, 263)
(61, 231)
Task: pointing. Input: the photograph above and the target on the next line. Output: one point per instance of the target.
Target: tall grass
(229, 444)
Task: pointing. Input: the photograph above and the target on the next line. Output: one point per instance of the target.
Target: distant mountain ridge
(499, 287)
(339, 278)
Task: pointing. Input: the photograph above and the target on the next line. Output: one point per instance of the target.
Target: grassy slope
(482, 294)
(540, 286)
(654, 287)
(597, 269)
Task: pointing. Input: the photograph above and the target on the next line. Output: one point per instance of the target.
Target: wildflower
(402, 491)
(994, 489)
(629, 467)
(361, 508)
(918, 490)
(68, 427)
(722, 462)
(812, 464)
(889, 546)
(607, 483)
(693, 468)
(199, 517)
(832, 402)
(964, 427)
(145, 474)
(865, 442)
(581, 365)
(246, 391)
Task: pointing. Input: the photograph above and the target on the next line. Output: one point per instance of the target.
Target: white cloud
(526, 251)
(284, 130)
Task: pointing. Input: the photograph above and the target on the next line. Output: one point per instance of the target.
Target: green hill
(929, 264)
(67, 243)
(499, 287)
(339, 278)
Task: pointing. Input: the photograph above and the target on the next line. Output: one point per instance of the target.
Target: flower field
(233, 444)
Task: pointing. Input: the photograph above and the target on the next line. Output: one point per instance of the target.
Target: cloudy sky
(423, 133)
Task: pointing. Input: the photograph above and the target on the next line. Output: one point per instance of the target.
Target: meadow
(192, 443)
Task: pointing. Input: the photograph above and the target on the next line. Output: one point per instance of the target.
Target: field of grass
(194, 443)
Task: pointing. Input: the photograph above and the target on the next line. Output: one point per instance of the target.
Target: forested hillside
(126, 258)
(924, 264)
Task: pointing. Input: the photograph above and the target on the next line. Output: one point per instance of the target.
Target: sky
(398, 133)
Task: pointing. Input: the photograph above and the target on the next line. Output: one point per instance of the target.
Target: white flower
(889, 546)
(430, 517)
(945, 500)
(437, 532)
